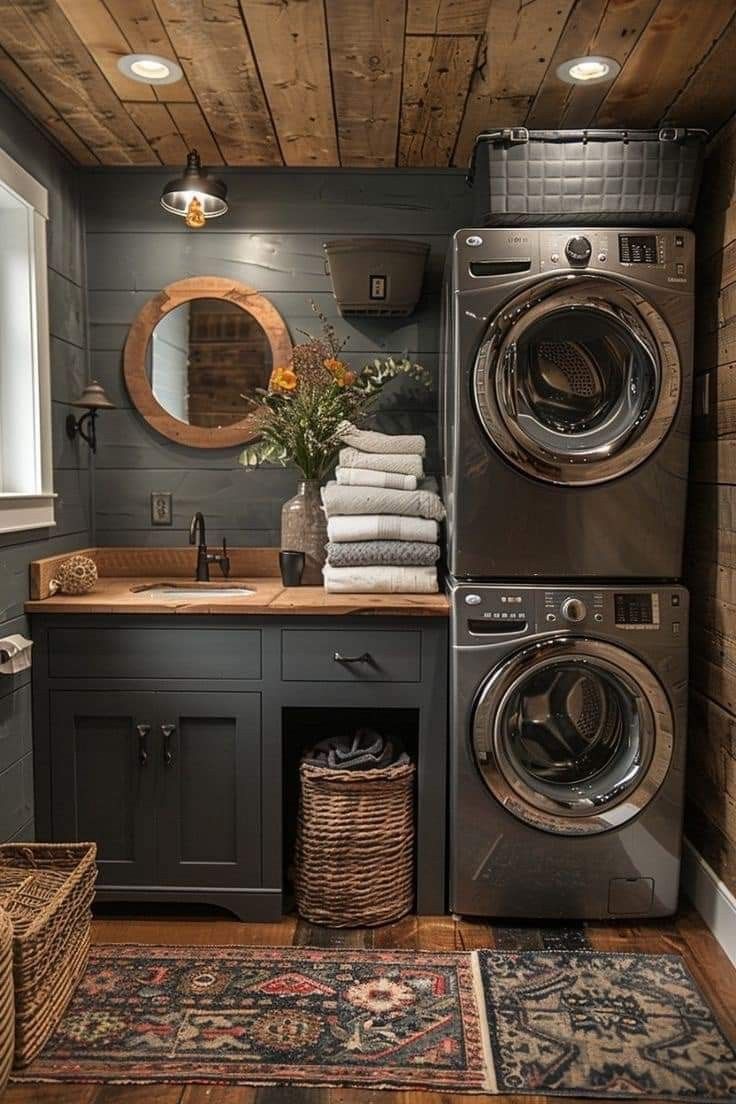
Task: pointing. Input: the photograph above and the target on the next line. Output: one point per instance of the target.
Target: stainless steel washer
(568, 740)
(567, 375)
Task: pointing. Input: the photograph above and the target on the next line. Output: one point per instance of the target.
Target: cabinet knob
(167, 731)
(143, 730)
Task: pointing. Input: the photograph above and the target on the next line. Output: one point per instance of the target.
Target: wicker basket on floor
(7, 1005)
(47, 890)
(355, 845)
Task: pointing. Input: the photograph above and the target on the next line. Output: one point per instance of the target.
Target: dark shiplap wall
(271, 239)
(20, 138)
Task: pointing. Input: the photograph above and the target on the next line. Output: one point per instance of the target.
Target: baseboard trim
(711, 897)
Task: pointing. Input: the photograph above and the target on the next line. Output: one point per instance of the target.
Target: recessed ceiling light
(149, 69)
(588, 70)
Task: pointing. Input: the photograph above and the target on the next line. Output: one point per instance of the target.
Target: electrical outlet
(161, 508)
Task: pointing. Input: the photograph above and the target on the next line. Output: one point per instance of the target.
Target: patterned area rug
(560, 1020)
(243, 1015)
(595, 1024)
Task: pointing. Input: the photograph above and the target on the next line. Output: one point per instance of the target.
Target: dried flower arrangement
(308, 401)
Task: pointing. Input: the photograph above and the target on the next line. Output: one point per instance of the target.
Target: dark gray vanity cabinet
(174, 742)
(103, 784)
(167, 784)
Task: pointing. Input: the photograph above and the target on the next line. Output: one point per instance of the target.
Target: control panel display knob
(573, 610)
(578, 251)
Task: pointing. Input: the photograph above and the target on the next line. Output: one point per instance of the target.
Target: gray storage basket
(376, 276)
(595, 177)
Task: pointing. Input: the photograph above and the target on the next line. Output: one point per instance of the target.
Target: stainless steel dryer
(566, 402)
(567, 749)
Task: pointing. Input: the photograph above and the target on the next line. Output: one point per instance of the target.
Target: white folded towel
(369, 440)
(406, 463)
(367, 527)
(380, 580)
(380, 500)
(365, 477)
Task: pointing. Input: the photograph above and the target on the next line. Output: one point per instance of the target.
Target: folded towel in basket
(380, 580)
(365, 477)
(365, 750)
(338, 500)
(382, 527)
(369, 440)
(367, 553)
(406, 463)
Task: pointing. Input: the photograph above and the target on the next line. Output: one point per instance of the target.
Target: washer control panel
(483, 611)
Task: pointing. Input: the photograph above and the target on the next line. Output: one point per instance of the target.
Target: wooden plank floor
(685, 934)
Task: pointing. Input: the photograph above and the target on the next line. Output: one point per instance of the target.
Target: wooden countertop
(119, 595)
(123, 573)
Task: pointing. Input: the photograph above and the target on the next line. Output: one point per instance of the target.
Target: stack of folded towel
(382, 517)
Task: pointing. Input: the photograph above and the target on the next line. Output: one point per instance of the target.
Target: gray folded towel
(365, 750)
(367, 553)
(338, 500)
(405, 463)
(370, 440)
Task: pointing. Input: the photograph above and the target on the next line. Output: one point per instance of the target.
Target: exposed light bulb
(589, 70)
(151, 70)
(194, 217)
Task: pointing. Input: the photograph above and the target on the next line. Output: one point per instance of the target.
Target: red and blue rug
(554, 1021)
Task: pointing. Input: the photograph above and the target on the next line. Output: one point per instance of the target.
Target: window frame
(26, 511)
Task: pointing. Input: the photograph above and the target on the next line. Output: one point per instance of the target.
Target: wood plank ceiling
(365, 83)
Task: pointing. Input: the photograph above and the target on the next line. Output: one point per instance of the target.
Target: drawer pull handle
(143, 731)
(168, 731)
(364, 658)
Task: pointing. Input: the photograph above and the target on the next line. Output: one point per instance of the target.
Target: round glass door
(578, 380)
(573, 736)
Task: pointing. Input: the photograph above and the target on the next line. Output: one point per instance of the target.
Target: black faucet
(205, 558)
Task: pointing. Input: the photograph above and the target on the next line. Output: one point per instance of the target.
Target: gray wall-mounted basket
(376, 276)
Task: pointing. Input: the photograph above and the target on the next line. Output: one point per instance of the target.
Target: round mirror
(197, 351)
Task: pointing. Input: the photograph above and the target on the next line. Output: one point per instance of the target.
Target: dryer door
(573, 736)
(578, 380)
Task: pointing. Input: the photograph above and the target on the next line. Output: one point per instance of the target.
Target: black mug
(292, 567)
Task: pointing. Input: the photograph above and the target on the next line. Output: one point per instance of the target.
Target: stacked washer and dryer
(566, 417)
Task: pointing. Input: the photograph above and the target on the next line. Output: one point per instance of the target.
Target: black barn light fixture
(93, 399)
(195, 195)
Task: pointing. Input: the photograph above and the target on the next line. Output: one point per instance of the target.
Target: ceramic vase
(304, 529)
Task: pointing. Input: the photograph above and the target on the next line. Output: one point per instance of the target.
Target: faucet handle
(225, 559)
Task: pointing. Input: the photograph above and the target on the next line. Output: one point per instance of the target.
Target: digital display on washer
(636, 610)
(637, 248)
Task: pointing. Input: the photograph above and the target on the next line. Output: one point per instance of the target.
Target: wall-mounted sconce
(93, 399)
(195, 195)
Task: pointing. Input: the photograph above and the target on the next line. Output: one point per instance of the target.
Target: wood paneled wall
(271, 239)
(711, 536)
(23, 141)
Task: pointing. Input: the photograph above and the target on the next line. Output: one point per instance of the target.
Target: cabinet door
(102, 773)
(210, 789)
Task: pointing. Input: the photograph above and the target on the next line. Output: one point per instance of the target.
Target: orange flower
(339, 370)
(282, 379)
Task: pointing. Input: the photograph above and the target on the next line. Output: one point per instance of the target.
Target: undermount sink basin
(206, 591)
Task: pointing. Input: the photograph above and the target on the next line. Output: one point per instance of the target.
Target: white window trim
(20, 512)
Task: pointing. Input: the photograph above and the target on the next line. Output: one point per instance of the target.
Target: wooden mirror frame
(141, 331)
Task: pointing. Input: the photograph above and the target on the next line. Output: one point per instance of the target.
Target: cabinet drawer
(370, 655)
(155, 653)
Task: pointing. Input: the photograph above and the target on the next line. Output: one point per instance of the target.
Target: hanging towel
(380, 580)
(367, 553)
(381, 500)
(407, 463)
(382, 527)
(369, 440)
(364, 477)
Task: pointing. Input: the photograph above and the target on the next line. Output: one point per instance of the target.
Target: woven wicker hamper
(7, 1005)
(355, 845)
(47, 890)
